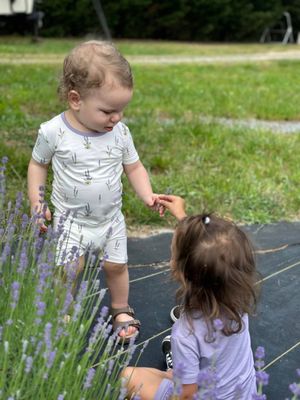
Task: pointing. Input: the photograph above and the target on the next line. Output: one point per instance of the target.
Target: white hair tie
(206, 220)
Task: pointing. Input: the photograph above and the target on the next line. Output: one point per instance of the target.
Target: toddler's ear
(74, 100)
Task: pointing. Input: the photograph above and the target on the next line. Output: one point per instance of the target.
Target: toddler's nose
(116, 117)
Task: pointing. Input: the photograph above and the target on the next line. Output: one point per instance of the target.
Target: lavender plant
(262, 378)
(43, 355)
(295, 387)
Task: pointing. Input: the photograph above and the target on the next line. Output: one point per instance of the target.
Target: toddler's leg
(117, 279)
(144, 381)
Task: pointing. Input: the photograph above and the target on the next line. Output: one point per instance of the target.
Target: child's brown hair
(214, 261)
(87, 66)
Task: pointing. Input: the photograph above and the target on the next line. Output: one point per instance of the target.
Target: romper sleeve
(44, 147)
(130, 154)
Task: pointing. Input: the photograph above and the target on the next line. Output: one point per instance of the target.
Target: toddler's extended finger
(161, 210)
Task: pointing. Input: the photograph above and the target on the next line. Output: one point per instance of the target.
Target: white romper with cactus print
(87, 169)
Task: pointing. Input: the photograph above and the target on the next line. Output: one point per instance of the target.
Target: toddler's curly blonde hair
(87, 66)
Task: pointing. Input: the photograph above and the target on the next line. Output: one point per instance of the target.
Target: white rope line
(281, 355)
(148, 276)
(161, 272)
(279, 272)
(132, 281)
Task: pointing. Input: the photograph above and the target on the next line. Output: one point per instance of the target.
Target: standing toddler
(89, 148)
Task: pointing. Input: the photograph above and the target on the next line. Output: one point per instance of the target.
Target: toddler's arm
(37, 175)
(139, 180)
(174, 204)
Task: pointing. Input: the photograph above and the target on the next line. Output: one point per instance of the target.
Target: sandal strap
(132, 322)
(123, 310)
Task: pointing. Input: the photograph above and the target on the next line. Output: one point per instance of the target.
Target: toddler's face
(102, 108)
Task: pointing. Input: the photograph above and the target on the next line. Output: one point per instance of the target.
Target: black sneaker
(166, 349)
(175, 313)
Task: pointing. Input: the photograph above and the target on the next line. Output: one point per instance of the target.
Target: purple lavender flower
(45, 271)
(28, 364)
(60, 331)
(295, 388)
(89, 378)
(41, 307)
(50, 357)
(38, 347)
(107, 331)
(61, 397)
(50, 257)
(122, 393)
(260, 352)
(98, 328)
(39, 244)
(71, 269)
(23, 261)
(111, 363)
(259, 397)
(15, 293)
(2, 178)
(5, 253)
(19, 199)
(47, 335)
(262, 378)
(25, 221)
(207, 378)
(104, 311)
(79, 299)
(259, 362)
(67, 302)
(144, 346)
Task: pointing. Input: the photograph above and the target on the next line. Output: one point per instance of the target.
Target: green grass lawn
(251, 176)
(20, 46)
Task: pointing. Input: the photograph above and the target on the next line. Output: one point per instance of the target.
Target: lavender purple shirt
(230, 355)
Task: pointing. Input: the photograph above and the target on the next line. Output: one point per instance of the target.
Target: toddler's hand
(175, 204)
(156, 206)
(44, 215)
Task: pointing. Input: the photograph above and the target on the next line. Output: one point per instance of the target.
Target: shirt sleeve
(44, 147)
(186, 357)
(130, 154)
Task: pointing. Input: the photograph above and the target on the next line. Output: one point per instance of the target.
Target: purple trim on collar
(78, 132)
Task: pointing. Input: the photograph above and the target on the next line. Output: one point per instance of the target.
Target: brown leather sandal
(131, 322)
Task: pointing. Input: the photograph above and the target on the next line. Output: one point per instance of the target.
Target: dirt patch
(146, 231)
